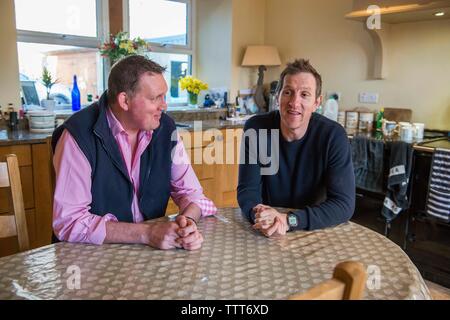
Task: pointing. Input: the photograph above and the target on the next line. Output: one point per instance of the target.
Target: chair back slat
(18, 207)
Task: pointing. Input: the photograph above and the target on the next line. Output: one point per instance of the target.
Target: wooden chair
(16, 224)
(348, 283)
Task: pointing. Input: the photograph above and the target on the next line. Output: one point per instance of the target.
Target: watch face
(292, 220)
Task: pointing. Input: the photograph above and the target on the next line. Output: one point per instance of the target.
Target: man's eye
(154, 99)
(286, 92)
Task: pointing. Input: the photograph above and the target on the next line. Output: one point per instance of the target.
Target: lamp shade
(261, 56)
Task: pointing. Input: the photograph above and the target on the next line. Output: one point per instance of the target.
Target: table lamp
(262, 57)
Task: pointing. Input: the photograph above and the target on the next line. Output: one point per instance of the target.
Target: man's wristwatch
(292, 220)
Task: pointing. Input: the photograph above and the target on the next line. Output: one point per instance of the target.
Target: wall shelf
(401, 11)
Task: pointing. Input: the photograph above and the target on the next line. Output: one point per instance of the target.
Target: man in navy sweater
(314, 171)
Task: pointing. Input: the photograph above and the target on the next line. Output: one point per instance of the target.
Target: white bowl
(41, 121)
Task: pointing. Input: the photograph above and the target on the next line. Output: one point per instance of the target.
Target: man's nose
(163, 105)
(295, 99)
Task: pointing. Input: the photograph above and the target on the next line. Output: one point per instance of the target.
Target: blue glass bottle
(76, 104)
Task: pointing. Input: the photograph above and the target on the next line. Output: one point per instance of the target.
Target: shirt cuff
(97, 234)
(206, 206)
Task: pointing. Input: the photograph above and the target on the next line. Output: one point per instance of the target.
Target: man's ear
(123, 101)
(318, 102)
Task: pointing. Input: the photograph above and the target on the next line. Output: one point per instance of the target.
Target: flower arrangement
(120, 45)
(47, 81)
(193, 87)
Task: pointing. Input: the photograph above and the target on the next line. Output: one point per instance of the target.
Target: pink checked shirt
(72, 220)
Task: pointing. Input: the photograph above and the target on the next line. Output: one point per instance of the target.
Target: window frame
(188, 49)
(102, 20)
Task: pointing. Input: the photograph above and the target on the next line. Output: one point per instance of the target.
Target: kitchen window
(63, 36)
(167, 26)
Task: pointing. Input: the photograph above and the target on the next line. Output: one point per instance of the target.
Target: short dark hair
(300, 65)
(125, 75)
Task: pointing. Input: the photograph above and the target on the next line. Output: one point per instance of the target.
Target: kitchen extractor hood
(400, 11)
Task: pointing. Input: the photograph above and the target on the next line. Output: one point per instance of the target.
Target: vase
(192, 99)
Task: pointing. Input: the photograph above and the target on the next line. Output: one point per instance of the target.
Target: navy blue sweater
(315, 174)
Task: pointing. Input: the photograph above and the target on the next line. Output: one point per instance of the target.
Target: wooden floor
(438, 292)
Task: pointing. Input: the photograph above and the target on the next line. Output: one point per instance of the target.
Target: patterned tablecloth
(235, 262)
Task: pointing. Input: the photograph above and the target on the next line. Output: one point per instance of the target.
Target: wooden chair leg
(17, 201)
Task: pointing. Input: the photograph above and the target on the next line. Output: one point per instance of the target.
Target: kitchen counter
(210, 124)
(182, 113)
(432, 139)
(8, 137)
(351, 133)
(24, 136)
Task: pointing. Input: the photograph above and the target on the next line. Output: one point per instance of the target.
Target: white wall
(248, 29)
(342, 51)
(214, 42)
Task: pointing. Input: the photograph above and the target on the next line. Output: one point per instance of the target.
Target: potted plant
(48, 82)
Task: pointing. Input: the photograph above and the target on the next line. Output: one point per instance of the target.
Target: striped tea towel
(438, 200)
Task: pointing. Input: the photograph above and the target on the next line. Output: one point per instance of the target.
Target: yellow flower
(192, 84)
(130, 48)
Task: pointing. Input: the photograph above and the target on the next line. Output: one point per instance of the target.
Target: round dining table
(235, 262)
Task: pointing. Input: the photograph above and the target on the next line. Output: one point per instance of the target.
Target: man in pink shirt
(114, 167)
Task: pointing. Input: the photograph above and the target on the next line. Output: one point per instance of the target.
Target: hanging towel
(438, 199)
(368, 157)
(400, 163)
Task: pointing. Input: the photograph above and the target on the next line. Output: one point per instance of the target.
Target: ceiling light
(439, 14)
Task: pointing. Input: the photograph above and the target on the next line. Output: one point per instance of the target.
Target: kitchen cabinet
(368, 206)
(35, 175)
(219, 179)
(227, 172)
